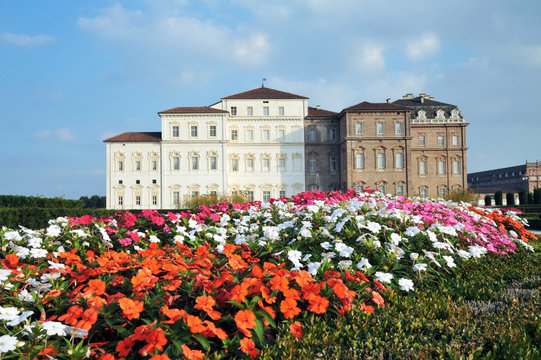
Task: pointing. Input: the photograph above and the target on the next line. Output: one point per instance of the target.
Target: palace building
(270, 143)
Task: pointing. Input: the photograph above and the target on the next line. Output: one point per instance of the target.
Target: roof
(428, 105)
(367, 106)
(192, 110)
(320, 112)
(264, 93)
(136, 137)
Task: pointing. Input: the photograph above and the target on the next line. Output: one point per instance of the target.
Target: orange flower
(310, 290)
(96, 287)
(289, 308)
(155, 340)
(216, 331)
(144, 280)
(268, 309)
(195, 324)
(238, 293)
(192, 354)
(245, 320)
(379, 285)
(124, 347)
(88, 319)
(265, 292)
(96, 303)
(318, 304)
(369, 309)
(130, 308)
(11, 261)
(296, 329)
(160, 357)
(172, 314)
(107, 357)
(205, 303)
(72, 315)
(279, 283)
(247, 346)
(377, 299)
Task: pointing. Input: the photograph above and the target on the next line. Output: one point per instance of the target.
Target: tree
(510, 197)
(523, 197)
(498, 198)
(537, 196)
(488, 200)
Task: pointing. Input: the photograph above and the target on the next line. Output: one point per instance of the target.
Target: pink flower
(125, 241)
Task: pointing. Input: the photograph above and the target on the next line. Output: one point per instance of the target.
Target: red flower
(107, 357)
(88, 319)
(289, 308)
(369, 309)
(72, 315)
(155, 340)
(296, 329)
(247, 346)
(124, 347)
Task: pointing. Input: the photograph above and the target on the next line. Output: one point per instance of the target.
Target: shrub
(537, 196)
(38, 218)
(465, 195)
(498, 198)
(196, 201)
(94, 202)
(523, 197)
(488, 200)
(20, 201)
(510, 198)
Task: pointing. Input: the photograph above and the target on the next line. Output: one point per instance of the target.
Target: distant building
(270, 143)
(509, 179)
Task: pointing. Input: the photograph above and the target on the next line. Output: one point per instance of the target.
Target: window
(138, 182)
(176, 197)
(120, 182)
(266, 196)
(441, 167)
(442, 192)
(381, 160)
(359, 161)
(250, 135)
(138, 165)
(381, 188)
(193, 131)
(332, 164)
(359, 128)
(282, 164)
(312, 134)
(233, 110)
(380, 128)
(176, 163)
(250, 195)
(332, 134)
(312, 164)
(266, 135)
(138, 200)
(398, 128)
(212, 131)
(282, 193)
(266, 164)
(154, 200)
(213, 163)
(441, 141)
(423, 192)
(422, 167)
(195, 193)
(250, 111)
(213, 192)
(399, 159)
(154, 181)
(399, 189)
(234, 135)
(455, 140)
(120, 200)
(195, 163)
(422, 140)
(176, 131)
(234, 165)
(359, 188)
(281, 111)
(250, 164)
(120, 165)
(154, 165)
(281, 135)
(456, 167)
(265, 110)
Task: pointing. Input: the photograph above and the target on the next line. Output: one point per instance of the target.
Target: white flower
(24, 295)
(344, 250)
(306, 257)
(153, 239)
(432, 236)
(271, 232)
(38, 253)
(22, 252)
(4, 274)
(313, 268)
(328, 255)
(513, 233)
(54, 230)
(450, 261)
(48, 277)
(305, 232)
(344, 264)
(384, 277)
(405, 284)
(412, 231)
(8, 343)
(13, 235)
(477, 251)
(464, 254)
(440, 245)
(9, 313)
(54, 328)
(395, 238)
(373, 227)
(414, 256)
(419, 267)
(363, 263)
(35, 242)
(376, 243)
(76, 332)
(179, 238)
(326, 245)
(19, 319)
(55, 266)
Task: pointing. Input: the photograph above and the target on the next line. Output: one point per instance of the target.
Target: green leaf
(236, 304)
(267, 317)
(260, 331)
(203, 341)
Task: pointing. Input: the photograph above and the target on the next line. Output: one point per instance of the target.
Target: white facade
(253, 144)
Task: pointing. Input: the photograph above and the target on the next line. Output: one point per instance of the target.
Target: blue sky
(75, 72)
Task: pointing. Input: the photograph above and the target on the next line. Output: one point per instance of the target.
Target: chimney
(318, 107)
(388, 100)
(407, 96)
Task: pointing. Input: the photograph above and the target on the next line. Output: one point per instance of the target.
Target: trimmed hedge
(38, 218)
(20, 201)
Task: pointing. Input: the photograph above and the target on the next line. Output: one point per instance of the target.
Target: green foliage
(523, 197)
(94, 202)
(211, 199)
(37, 218)
(537, 196)
(498, 198)
(19, 201)
(488, 200)
(465, 195)
(510, 198)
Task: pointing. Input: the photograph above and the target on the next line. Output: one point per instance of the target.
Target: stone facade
(509, 179)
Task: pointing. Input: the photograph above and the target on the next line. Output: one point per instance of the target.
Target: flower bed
(226, 279)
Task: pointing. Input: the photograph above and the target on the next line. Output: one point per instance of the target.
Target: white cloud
(368, 59)
(26, 40)
(57, 134)
(423, 46)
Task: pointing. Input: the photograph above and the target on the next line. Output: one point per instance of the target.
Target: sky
(73, 73)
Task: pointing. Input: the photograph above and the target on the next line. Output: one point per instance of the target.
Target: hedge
(20, 201)
(37, 217)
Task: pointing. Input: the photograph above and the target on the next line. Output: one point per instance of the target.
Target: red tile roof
(136, 137)
(366, 106)
(192, 110)
(264, 93)
(320, 112)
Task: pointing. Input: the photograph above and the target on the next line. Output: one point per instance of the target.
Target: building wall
(508, 179)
